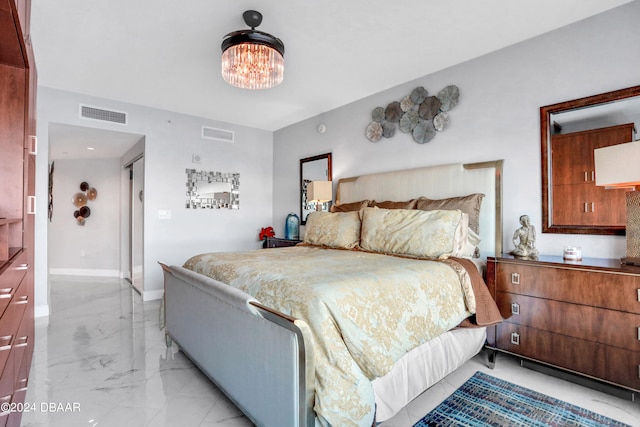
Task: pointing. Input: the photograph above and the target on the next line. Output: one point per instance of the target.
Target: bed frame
(256, 355)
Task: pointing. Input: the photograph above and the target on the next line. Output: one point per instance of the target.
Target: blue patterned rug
(487, 401)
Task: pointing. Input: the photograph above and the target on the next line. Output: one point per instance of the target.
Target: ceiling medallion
(252, 59)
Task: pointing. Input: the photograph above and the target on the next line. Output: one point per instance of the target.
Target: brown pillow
(349, 207)
(468, 204)
(409, 204)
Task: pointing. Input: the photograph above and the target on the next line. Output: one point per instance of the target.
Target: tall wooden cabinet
(18, 146)
(577, 200)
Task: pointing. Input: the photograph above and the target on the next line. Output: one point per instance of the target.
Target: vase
(292, 227)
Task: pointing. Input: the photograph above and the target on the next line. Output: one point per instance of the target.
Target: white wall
(497, 118)
(170, 140)
(92, 248)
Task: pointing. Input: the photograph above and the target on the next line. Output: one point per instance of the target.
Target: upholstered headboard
(438, 182)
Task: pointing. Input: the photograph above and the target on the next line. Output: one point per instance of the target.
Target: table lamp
(319, 192)
(618, 166)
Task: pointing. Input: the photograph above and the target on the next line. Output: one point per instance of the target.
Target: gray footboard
(256, 356)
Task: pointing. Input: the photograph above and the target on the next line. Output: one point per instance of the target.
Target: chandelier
(252, 59)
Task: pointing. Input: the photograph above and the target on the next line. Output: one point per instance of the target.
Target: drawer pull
(515, 280)
(515, 338)
(31, 205)
(515, 309)
(6, 292)
(24, 299)
(5, 342)
(22, 341)
(638, 295)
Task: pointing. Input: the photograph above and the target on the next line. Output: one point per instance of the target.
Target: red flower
(267, 232)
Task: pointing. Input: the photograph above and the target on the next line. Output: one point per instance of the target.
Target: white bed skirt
(419, 369)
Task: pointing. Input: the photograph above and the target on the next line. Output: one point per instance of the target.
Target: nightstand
(582, 317)
(276, 242)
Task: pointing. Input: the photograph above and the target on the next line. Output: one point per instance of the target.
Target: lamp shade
(618, 165)
(319, 191)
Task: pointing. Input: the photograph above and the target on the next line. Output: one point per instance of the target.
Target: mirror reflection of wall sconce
(80, 201)
(212, 190)
(318, 193)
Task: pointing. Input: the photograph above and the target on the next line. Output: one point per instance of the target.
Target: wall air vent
(217, 134)
(94, 113)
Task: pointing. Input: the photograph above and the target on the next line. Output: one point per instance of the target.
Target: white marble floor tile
(101, 348)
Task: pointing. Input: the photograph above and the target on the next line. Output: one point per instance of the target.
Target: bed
(280, 366)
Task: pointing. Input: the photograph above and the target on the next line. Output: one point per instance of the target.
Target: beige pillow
(334, 230)
(409, 204)
(468, 204)
(435, 234)
(469, 247)
(349, 207)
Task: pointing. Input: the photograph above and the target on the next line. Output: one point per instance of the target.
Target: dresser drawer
(610, 327)
(623, 367)
(10, 278)
(586, 357)
(615, 291)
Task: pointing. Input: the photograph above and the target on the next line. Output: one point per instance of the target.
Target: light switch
(164, 214)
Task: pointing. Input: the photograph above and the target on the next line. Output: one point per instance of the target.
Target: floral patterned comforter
(364, 311)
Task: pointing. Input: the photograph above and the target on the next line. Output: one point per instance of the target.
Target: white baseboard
(41, 311)
(84, 272)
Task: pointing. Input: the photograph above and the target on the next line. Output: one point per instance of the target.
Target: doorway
(136, 224)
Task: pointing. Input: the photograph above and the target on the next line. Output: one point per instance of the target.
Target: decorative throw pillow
(435, 234)
(409, 204)
(334, 230)
(468, 204)
(349, 207)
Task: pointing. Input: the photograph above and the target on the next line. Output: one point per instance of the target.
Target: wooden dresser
(17, 206)
(582, 317)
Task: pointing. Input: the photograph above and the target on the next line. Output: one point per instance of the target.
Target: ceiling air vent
(102, 114)
(217, 134)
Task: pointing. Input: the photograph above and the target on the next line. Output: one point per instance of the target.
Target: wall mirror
(316, 168)
(212, 190)
(570, 131)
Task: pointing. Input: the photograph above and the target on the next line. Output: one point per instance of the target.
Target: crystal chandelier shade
(252, 59)
(252, 66)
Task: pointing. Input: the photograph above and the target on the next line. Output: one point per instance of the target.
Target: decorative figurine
(524, 239)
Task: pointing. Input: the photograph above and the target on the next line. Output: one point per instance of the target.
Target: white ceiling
(166, 54)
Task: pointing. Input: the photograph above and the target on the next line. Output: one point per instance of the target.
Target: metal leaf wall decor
(418, 113)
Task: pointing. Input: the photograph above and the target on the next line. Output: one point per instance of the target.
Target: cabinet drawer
(604, 326)
(4, 416)
(586, 357)
(10, 280)
(623, 367)
(606, 290)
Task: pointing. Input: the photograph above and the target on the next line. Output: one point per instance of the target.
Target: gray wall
(170, 140)
(94, 247)
(497, 118)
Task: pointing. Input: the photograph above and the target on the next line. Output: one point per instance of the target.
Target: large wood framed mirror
(316, 168)
(570, 131)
